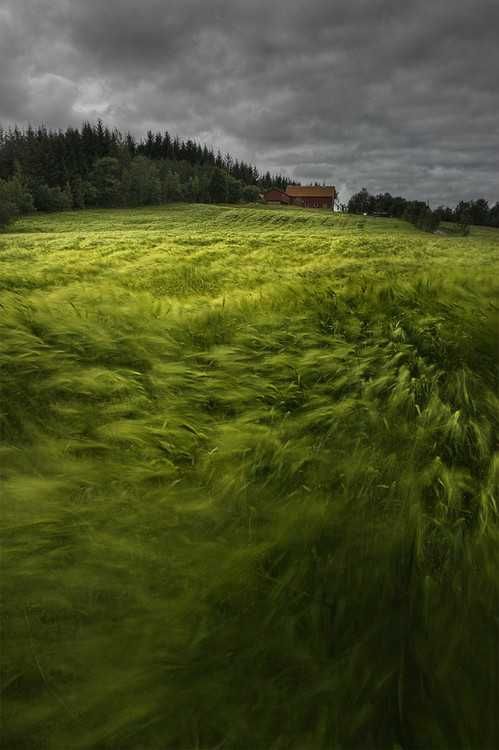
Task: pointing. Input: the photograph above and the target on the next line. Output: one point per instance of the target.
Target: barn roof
(311, 191)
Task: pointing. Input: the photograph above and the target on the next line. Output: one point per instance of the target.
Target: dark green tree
(480, 212)
(105, 177)
(464, 217)
(171, 188)
(19, 194)
(233, 189)
(494, 215)
(445, 213)
(359, 202)
(145, 185)
(218, 186)
(78, 191)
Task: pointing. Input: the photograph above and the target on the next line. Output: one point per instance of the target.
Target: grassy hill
(248, 462)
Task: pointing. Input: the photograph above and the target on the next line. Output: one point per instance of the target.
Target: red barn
(313, 196)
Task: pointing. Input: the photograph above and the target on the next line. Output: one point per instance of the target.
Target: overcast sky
(378, 93)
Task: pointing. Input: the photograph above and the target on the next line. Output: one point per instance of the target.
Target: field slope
(249, 468)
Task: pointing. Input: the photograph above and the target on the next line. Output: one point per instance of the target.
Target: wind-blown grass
(249, 468)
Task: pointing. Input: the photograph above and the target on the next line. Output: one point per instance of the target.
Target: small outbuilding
(276, 197)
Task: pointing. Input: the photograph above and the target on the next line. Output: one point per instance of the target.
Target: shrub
(52, 198)
(428, 221)
(419, 214)
(464, 219)
(15, 199)
(8, 212)
(14, 191)
(250, 193)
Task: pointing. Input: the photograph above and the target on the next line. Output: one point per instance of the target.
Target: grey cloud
(370, 92)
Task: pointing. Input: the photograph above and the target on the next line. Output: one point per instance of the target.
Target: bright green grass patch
(249, 468)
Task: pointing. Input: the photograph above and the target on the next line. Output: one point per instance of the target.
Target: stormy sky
(378, 93)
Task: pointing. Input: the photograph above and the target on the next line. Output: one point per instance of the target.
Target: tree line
(476, 212)
(93, 166)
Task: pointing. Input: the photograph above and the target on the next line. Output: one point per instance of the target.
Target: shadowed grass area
(249, 464)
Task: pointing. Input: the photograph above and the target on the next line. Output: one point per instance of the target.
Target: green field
(248, 462)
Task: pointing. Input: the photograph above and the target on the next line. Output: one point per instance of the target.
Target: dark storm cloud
(362, 93)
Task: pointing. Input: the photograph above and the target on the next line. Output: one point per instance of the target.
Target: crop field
(249, 462)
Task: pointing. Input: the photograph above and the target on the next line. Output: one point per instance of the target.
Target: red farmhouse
(313, 196)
